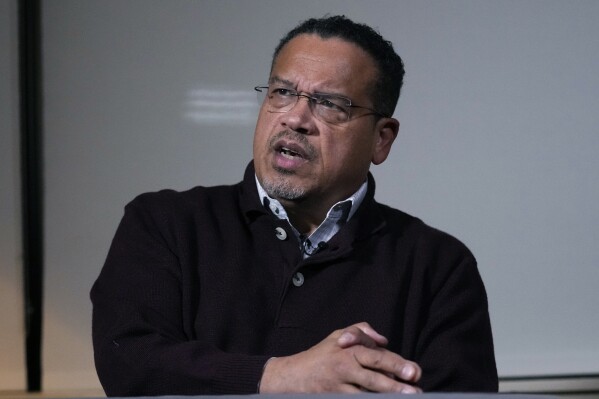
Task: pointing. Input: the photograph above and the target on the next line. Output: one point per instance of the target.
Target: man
(295, 279)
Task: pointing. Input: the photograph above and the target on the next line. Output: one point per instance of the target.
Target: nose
(299, 118)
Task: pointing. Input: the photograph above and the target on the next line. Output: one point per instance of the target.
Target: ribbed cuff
(239, 375)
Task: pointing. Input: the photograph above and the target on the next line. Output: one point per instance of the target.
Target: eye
(282, 92)
(332, 104)
(327, 103)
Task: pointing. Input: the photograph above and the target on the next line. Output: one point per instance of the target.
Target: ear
(386, 132)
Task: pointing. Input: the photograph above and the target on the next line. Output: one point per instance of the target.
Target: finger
(389, 363)
(355, 336)
(374, 381)
(350, 388)
(381, 340)
(361, 334)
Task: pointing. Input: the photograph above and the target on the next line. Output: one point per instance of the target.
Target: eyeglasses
(328, 108)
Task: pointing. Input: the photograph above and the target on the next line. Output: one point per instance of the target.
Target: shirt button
(281, 233)
(298, 279)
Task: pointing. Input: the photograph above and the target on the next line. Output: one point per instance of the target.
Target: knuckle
(370, 381)
(341, 368)
(378, 359)
(352, 329)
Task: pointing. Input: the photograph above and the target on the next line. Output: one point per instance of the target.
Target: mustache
(310, 151)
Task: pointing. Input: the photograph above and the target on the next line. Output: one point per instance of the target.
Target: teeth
(287, 152)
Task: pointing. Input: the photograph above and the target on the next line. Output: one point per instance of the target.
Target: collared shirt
(336, 217)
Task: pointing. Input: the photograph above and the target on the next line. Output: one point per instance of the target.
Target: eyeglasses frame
(312, 100)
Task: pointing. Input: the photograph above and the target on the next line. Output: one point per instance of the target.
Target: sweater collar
(366, 220)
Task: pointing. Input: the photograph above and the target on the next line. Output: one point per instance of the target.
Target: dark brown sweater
(197, 293)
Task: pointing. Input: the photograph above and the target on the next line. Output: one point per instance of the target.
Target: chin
(283, 188)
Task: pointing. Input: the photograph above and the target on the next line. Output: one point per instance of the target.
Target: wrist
(263, 371)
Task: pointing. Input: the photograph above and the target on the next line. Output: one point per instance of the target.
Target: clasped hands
(350, 360)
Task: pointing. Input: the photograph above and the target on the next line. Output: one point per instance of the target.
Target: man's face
(297, 156)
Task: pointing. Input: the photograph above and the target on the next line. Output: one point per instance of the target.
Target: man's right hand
(353, 359)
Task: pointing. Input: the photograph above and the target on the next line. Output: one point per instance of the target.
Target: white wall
(12, 345)
(498, 145)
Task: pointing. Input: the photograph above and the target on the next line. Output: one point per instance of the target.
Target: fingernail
(407, 373)
(409, 389)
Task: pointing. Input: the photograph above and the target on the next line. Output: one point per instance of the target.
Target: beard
(282, 188)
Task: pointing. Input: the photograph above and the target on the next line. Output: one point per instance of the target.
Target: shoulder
(189, 210)
(178, 217)
(414, 229)
(428, 247)
(435, 258)
(173, 202)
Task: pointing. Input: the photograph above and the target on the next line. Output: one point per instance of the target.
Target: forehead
(312, 63)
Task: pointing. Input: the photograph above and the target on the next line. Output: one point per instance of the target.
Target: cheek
(339, 156)
(356, 147)
(262, 131)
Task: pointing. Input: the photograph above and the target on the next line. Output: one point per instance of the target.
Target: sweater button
(298, 279)
(281, 233)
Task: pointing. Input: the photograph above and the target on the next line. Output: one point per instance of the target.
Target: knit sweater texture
(198, 292)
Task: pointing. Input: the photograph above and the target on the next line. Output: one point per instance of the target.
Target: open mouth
(289, 153)
(292, 149)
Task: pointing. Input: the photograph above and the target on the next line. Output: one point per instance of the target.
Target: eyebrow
(275, 79)
(288, 83)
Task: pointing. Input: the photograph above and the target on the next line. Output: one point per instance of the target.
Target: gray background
(12, 341)
(498, 145)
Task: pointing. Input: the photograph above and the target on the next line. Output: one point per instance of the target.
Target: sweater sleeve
(455, 347)
(142, 330)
